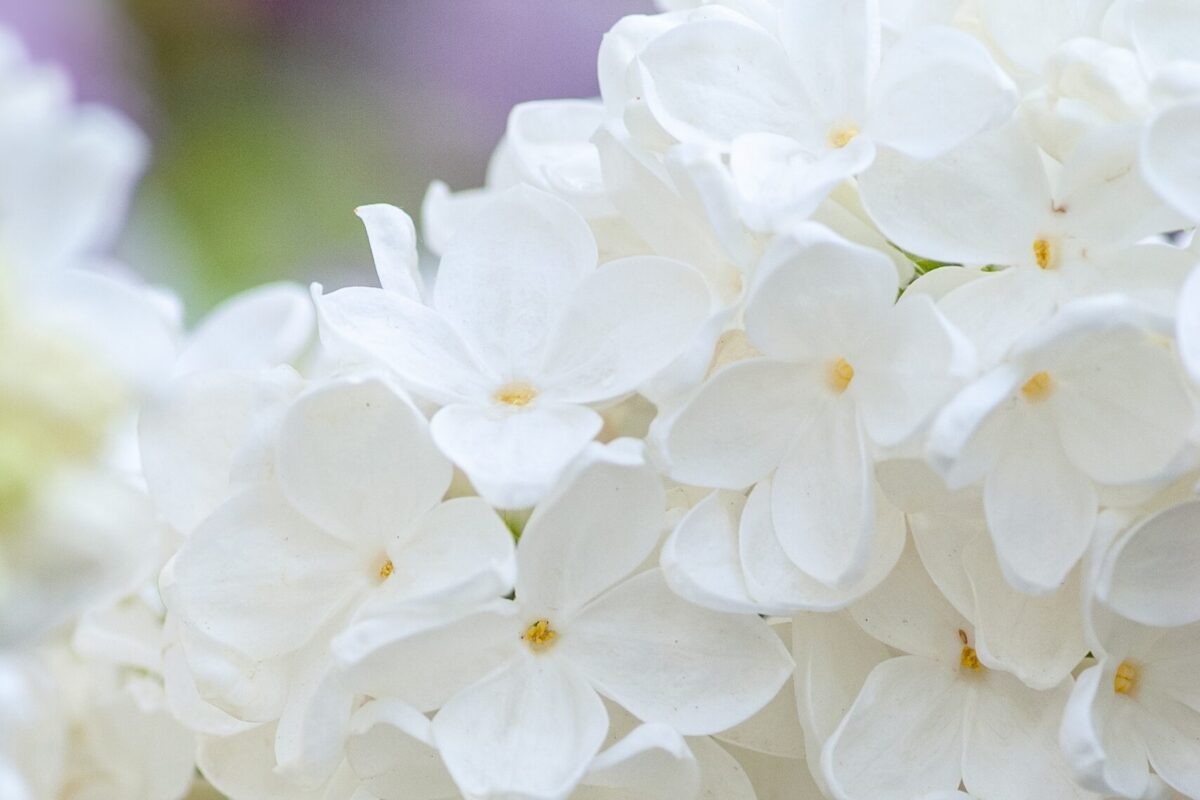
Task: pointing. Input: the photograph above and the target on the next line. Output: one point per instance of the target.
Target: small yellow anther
(1125, 680)
(968, 659)
(1043, 253)
(516, 394)
(840, 375)
(842, 136)
(386, 569)
(1038, 387)
(539, 635)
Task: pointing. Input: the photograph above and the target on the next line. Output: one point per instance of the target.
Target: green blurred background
(273, 119)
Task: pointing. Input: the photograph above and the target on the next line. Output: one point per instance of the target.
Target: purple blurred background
(273, 119)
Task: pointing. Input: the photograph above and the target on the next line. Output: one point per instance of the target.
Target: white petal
(391, 750)
(739, 426)
(394, 246)
(1100, 738)
(835, 53)
(261, 328)
(721, 776)
(192, 433)
(505, 276)
(937, 87)
(995, 310)
(594, 530)
(616, 333)
(459, 553)
(908, 612)
(902, 737)
(941, 533)
(406, 336)
(1187, 332)
(669, 661)
(652, 761)
(833, 656)
(1012, 724)
(1123, 408)
(714, 80)
(700, 560)
(258, 553)
(357, 459)
(1040, 640)
(1169, 160)
(1173, 744)
(242, 767)
(984, 202)
(1150, 573)
(775, 582)
(816, 294)
(969, 432)
(1040, 509)
(775, 730)
(513, 457)
(1028, 31)
(310, 739)
(916, 361)
(551, 143)
(424, 656)
(822, 499)
(528, 730)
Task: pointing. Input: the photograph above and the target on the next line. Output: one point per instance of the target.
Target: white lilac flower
(847, 369)
(524, 336)
(355, 518)
(1092, 396)
(937, 714)
(518, 682)
(808, 104)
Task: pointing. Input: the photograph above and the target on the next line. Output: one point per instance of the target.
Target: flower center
(386, 569)
(840, 375)
(1038, 387)
(842, 135)
(540, 636)
(518, 394)
(1125, 681)
(1043, 253)
(968, 659)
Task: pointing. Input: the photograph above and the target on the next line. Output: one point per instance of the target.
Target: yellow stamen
(840, 137)
(1043, 252)
(386, 570)
(1125, 681)
(539, 636)
(1038, 387)
(840, 375)
(516, 394)
(969, 659)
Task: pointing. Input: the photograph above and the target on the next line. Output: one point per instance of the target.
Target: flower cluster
(813, 415)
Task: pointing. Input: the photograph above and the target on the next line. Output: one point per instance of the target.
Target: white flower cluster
(815, 415)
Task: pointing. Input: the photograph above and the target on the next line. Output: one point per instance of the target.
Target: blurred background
(273, 119)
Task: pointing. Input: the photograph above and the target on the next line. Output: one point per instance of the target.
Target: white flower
(524, 336)
(1169, 159)
(937, 715)
(1089, 397)
(847, 369)
(517, 681)
(1136, 706)
(355, 519)
(992, 202)
(804, 107)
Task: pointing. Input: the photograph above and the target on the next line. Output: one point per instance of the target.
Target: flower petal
(504, 277)
(902, 737)
(1099, 736)
(937, 87)
(615, 332)
(513, 457)
(711, 81)
(1150, 574)
(651, 761)
(391, 750)
(823, 499)
(1168, 157)
(357, 459)
(394, 246)
(528, 730)
(739, 426)
(602, 523)
(835, 53)
(669, 661)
